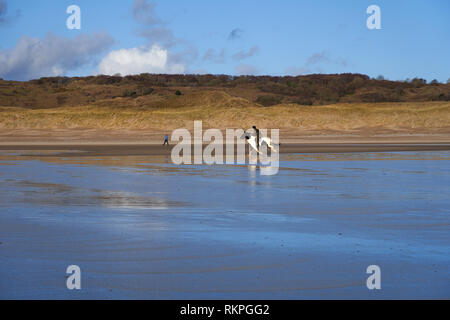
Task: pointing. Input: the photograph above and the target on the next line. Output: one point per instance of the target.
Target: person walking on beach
(257, 137)
(166, 140)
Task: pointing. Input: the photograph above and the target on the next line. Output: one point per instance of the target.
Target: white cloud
(296, 71)
(51, 56)
(215, 57)
(3, 11)
(144, 12)
(324, 57)
(235, 34)
(139, 60)
(314, 62)
(6, 18)
(160, 35)
(160, 54)
(246, 70)
(241, 55)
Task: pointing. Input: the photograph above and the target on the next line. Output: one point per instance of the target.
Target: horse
(251, 139)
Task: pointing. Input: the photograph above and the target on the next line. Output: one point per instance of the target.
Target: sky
(235, 37)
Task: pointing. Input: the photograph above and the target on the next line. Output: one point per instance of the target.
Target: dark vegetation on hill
(317, 89)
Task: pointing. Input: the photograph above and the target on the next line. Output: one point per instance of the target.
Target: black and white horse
(251, 139)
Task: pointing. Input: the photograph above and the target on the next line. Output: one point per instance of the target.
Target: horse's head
(246, 136)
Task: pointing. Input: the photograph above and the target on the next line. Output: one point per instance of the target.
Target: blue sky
(271, 37)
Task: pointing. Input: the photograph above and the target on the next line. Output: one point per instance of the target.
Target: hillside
(262, 90)
(347, 102)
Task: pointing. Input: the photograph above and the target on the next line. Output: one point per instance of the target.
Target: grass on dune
(217, 109)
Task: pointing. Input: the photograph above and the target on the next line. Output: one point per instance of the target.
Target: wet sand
(94, 142)
(122, 149)
(140, 227)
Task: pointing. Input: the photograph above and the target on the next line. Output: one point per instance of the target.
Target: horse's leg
(268, 141)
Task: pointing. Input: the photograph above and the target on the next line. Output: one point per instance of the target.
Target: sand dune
(218, 109)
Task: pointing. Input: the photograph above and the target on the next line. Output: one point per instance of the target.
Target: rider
(257, 136)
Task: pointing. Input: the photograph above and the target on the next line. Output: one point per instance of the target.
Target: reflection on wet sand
(36, 153)
(366, 156)
(141, 227)
(42, 194)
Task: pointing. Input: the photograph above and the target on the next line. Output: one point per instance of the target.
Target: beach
(219, 150)
(140, 227)
(94, 142)
(91, 150)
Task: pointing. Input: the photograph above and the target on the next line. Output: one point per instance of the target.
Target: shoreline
(90, 150)
(75, 142)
